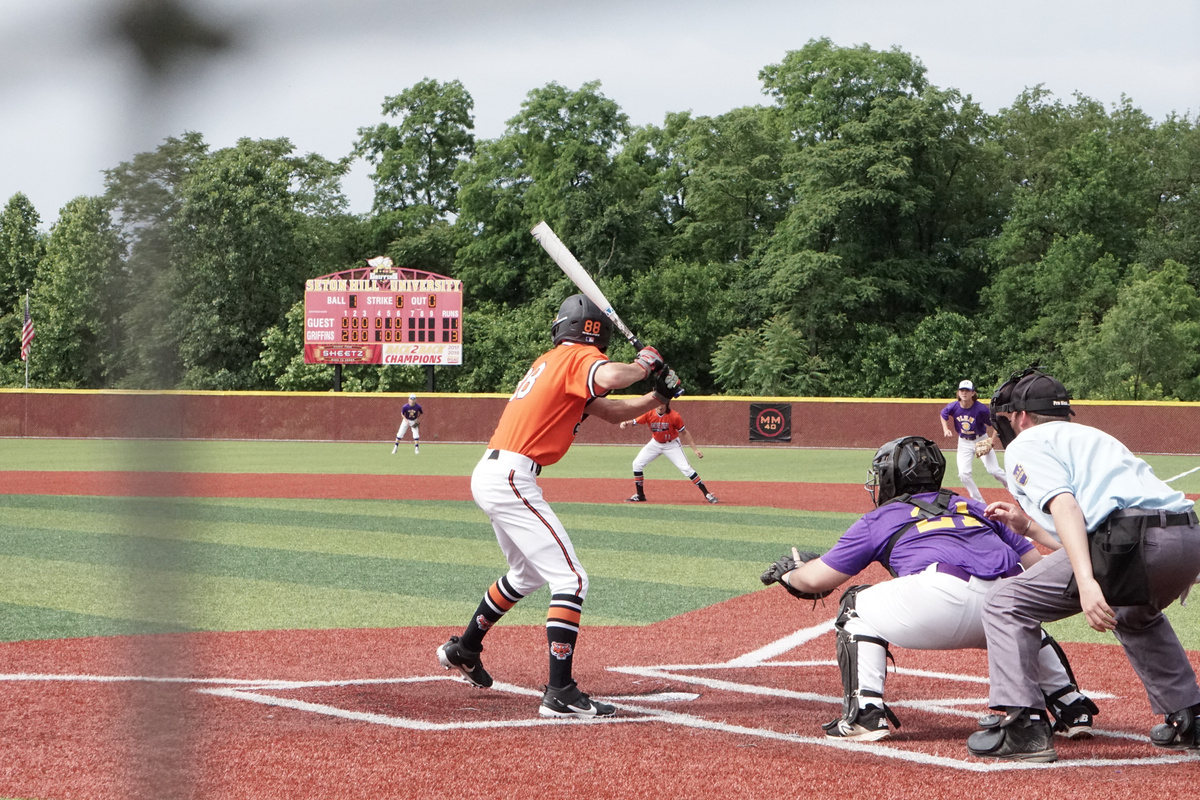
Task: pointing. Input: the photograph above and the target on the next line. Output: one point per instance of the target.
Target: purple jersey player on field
(970, 420)
(411, 412)
(944, 553)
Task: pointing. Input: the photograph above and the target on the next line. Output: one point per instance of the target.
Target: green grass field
(86, 566)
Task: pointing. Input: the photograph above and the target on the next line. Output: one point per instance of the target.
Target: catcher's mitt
(983, 446)
(776, 571)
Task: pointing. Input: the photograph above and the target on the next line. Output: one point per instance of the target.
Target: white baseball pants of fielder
(929, 611)
(966, 459)
(534, 542)
(405, 425)
(673, 450)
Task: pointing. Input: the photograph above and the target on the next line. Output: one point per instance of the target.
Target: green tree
(415, 159)
(1148, 345)
(772, 360)
(21, 250)
(146, 193)
(894, 194)
(555, 162)
(77, 298)
(242, 246)
(735, 189)
(930, 360)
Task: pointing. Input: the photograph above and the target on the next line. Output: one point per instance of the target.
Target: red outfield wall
(816, 422)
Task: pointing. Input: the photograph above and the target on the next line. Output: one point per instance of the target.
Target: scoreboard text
(383, 316)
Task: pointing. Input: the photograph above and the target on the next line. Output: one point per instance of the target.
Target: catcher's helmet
(1031, 390)
(580, 320)
(908, 465)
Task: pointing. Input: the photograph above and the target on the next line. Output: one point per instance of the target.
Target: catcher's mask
(1030, 390)
(908, 465)
(580, 320)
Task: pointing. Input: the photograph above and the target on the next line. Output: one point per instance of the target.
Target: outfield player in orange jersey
(560, 390)
(668, 435)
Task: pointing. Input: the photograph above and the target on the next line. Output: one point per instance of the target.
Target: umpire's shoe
(570, 702)
(1023, 734)
(454, 654)
(1179, 731)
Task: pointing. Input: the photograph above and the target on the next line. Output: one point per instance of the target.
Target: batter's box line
(874, 748)
(257, 696)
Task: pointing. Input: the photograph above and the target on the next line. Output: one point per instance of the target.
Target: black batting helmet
(908, 465)
(580, 320)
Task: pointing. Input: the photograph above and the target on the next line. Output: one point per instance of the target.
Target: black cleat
(454, 654)
(570, 702)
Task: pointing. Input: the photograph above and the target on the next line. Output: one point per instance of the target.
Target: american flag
(26, 332)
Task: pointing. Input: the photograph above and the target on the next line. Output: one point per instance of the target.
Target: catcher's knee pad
(847, 655)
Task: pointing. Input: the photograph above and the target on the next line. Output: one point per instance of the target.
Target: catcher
(944, 554)
(972, 424)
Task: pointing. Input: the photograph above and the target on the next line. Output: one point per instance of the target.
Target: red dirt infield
(808, 496)
(725, 701)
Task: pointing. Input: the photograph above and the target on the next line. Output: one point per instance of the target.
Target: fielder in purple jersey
(411, 413)
(945, 553)
(971, 421)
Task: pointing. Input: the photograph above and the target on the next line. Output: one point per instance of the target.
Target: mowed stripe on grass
(72, 566)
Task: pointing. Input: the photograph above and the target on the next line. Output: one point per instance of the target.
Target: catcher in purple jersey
(944, 554)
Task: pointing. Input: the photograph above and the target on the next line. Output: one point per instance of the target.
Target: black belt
(494, 455)
(962, 574)
(1171, 519)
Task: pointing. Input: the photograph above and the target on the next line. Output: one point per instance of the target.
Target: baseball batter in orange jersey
(667, 437)
(561, 389)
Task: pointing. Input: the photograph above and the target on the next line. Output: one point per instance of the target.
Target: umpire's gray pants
(1016, 607)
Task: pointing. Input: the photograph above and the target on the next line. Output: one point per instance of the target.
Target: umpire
(1130, 547)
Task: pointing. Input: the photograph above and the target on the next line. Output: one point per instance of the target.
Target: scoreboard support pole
(429, 382)
(337, 377)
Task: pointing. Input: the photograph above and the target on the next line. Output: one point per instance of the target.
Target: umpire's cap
(1033, 391)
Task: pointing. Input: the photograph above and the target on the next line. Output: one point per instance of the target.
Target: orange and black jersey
(544, 413)
(665, 428)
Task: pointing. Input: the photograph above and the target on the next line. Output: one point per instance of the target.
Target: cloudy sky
(74, 100)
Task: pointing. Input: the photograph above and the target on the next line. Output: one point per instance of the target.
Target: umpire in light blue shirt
(1131, 547)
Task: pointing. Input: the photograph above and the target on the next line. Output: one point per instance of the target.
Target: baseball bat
(578, 275)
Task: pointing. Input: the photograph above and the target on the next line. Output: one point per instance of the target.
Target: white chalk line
(1182, 475)
(255, 690)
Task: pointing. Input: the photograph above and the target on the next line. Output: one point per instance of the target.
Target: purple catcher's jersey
(969, 423)
(411, 411)
(984, 548)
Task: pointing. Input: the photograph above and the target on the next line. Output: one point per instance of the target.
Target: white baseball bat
(575, 271)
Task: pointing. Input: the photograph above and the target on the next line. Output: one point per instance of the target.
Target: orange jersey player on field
(560, 390)
(668, 437)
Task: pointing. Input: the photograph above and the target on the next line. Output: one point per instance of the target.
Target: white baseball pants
(405, 426)
(534, 541)
(930, 611)
(673, 450)
(966, 459)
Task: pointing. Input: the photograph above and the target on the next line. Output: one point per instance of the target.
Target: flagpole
(30, 353)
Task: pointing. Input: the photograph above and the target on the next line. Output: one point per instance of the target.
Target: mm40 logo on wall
(770, 422)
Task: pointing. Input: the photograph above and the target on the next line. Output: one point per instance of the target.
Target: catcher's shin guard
(848, 645)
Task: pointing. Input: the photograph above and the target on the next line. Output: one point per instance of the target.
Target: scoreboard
(383, 315)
